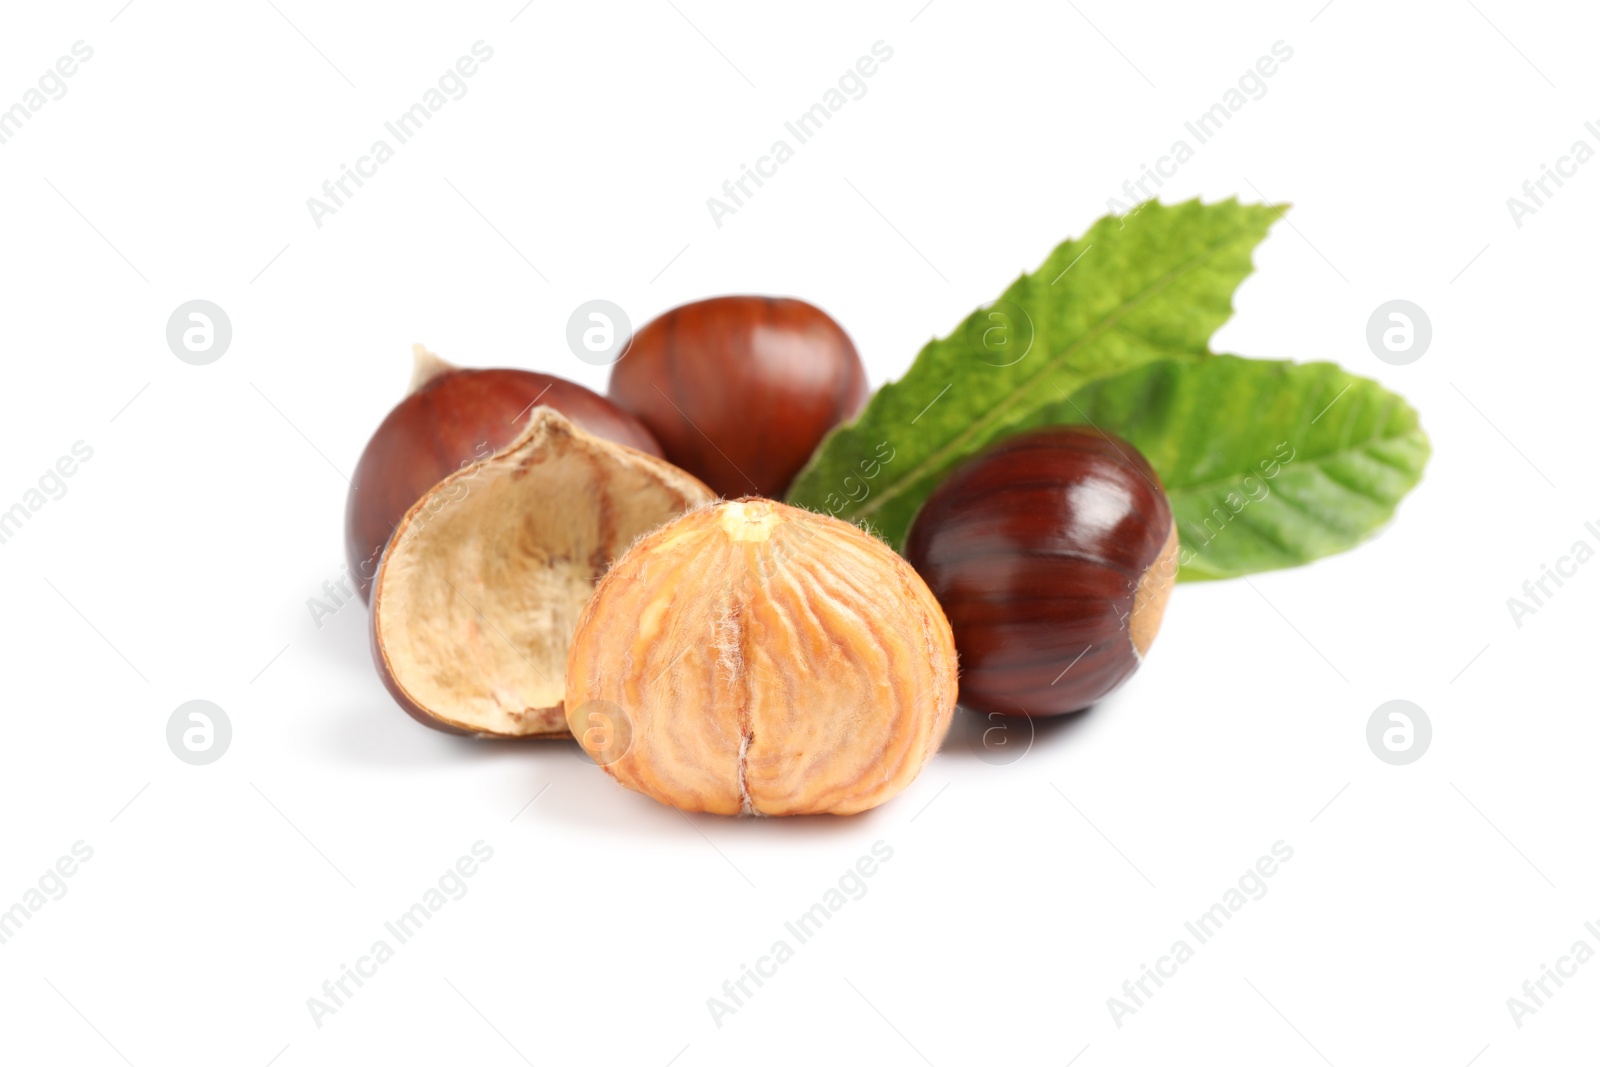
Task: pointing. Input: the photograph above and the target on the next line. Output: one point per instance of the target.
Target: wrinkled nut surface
(480, 589)
(754, 658)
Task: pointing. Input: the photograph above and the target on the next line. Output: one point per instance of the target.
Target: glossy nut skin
(740, 390)
(455, 417)
(753, 658)
(1052, 553)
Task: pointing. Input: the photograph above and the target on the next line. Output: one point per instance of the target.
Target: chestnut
(759, 659)
(1053, 553)
(452, 417)
(740, 390)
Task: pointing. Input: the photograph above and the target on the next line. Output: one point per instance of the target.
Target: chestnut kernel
(454, 416)
(740, 390)
(1053, 554)
(753, 658)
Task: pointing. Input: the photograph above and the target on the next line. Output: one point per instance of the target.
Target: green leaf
(1153, 284)
(1268, 464)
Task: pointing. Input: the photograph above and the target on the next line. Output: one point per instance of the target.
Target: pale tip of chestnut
(426, 366)
(1151, 594)
(749, 520)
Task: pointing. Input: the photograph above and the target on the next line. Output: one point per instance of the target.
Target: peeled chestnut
(452, 417)
(740, 390)
(753, 658)
(1053, 554)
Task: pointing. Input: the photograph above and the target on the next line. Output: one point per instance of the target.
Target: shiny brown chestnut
(1053, 554)
(740, 390)
(454, 416)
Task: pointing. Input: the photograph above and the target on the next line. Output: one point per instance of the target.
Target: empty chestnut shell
(1053, 554)
(740, 390)
(479, 592)
(452, 417)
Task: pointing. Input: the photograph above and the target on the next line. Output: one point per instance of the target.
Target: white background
(1019, 898)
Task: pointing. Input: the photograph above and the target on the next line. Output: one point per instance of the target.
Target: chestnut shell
(474, 604)
(458, 416)
(740, 390)
(1052, 554)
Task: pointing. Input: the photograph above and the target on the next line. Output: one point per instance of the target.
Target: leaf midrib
(940, 454)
